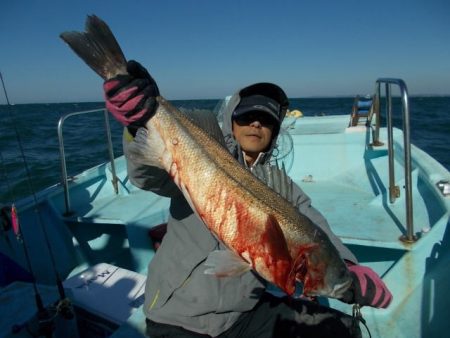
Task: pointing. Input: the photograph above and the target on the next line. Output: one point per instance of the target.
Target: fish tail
(98, 47)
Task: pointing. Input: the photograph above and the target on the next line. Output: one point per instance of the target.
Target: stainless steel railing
(394, 191)
(65, 181)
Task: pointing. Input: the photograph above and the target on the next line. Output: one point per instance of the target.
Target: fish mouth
(339, 289)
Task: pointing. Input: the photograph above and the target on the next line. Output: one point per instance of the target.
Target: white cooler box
(107, 291)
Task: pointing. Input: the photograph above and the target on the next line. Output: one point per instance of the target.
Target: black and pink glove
(131, 98)
(367, 288)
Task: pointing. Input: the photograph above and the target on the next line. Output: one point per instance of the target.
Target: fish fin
(147, 148)
(98, 47)
(225, 263)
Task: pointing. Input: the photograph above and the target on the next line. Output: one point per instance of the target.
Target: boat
(94, 234)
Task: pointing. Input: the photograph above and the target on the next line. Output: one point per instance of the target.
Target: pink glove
(131, 98)
(367, 288)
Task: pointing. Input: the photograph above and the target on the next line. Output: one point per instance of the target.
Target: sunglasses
(248, 118)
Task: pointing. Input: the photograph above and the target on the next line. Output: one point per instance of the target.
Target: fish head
(322, 272)
(337, 280)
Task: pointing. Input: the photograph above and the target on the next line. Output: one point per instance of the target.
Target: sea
(30, 151)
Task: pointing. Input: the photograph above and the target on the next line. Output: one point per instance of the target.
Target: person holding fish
(181, 300)
(237, 223)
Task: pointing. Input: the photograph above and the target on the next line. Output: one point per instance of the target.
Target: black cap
(271, 93)
(259, 103)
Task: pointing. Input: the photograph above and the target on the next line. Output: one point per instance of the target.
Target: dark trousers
(276, 317)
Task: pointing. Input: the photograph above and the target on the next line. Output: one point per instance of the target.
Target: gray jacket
(177, 290)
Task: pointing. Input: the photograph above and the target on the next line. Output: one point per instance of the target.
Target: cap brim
(240, 111)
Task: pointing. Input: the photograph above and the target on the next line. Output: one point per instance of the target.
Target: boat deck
(346, 178)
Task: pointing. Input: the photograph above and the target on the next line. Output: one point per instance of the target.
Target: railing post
(62, 156)
(394, 190)
(375, 110)
(378, 118)
(111, 153)
(64, 179)
(410, 237)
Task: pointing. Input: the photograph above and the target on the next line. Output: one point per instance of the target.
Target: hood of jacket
(263, 88)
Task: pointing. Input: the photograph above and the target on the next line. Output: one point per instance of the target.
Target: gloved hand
(132, 98)
(367, 288)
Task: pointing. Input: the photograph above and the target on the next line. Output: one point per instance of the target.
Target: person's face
(253, 131)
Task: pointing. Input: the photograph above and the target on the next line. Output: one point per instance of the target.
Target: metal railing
(394, 191)
(65, 181)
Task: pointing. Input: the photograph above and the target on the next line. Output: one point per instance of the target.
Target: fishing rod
(19, 233)
(44, 326)
(30, 186)
(64, 306)
(4, 89)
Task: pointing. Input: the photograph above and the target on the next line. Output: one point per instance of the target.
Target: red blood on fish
(267, 249)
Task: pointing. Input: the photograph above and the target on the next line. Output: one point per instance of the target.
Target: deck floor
(360, 217)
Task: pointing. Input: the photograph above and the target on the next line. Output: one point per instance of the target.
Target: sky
(207, 49)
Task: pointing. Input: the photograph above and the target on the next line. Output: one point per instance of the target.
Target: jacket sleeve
(303, 202)
(146, 177)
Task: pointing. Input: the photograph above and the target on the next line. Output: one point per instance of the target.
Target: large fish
(261, 228)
